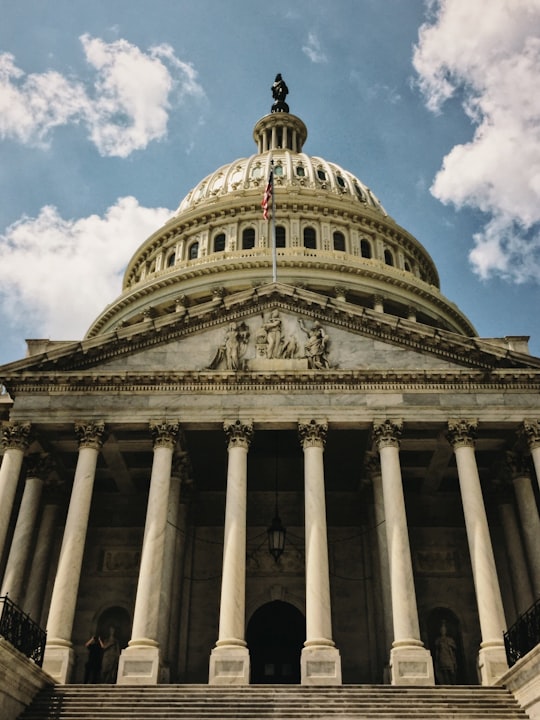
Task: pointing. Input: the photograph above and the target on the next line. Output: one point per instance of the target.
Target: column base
(139, 664)
(320, 665)
(229, 665)
(411, 664)
(492, 663)
(58, 660)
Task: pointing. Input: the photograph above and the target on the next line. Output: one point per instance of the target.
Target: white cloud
(487, 55)
(313, 49)
(127, 107)
(58, 274)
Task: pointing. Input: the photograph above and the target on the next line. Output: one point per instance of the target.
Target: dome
(332, 236)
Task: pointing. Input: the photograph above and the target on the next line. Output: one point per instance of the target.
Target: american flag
(267, 197)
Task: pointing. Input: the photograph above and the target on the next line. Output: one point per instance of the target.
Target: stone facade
(209, 397)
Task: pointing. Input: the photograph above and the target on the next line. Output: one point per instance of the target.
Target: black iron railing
(524, 634)
(21, 631)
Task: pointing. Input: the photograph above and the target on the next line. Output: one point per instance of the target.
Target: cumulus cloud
(486, 55)
(314, 50)
(58, 274)
(126, 108)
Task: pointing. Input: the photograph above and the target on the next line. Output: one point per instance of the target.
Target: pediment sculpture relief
(272, 346)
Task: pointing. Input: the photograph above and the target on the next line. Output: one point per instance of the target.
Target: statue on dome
(279, 93)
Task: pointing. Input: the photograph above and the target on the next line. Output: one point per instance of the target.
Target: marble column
(59, 655)
(38, 467)
(530, 432)
(39, 568)
(519, 573)
(229, 660)
(410, 662)
(528, 514)
(320, 662)
(491, 657)
(373, 470)
(15, 440)
(140, 661)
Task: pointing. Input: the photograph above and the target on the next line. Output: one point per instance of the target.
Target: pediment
(237, 335)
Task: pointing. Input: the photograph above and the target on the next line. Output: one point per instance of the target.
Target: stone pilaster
(528, 514)
(38, 467)
(410, 662)
(15, 439)
(491, 657)
(59, 656)
(320, 660)
(140, 662)
(229, 660)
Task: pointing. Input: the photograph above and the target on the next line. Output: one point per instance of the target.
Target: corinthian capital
(387, 433)
(90, 434)
(312, 434)
(517, 464)
(16, 435)
(39, 465)
(462, 433)
(238, 434)
(164, 433)
(530, 432)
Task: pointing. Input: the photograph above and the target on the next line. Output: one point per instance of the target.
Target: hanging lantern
(276, 537)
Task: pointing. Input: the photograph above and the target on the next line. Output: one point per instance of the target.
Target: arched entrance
(275, 637)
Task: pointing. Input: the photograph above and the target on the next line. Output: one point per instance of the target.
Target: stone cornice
(466, 352)
(417, 381)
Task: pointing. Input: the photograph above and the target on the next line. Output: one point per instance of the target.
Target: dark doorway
(275, 637)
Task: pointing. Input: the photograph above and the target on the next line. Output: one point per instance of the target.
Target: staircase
(280, 702)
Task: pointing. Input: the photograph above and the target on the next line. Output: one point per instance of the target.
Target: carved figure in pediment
(233, 348)
(316, 346)
(270, 341)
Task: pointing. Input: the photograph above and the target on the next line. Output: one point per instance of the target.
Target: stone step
(283, 702)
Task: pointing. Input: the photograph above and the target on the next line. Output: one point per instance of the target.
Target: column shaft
(15, 438)
(58, 652)
(521, 585)
(530, 525)
(229, 661)
(37, 577)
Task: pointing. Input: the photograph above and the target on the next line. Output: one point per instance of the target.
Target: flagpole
(274, 249)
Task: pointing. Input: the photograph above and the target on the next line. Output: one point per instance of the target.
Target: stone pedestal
(229, 665)
(320, 665)
(59, 660)
(492, 663)
(139, 664)
(411, 664)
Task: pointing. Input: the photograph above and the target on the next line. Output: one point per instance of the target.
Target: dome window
(365, 248)
(339, 241)
(248, 239)
(278, 171)
(407, 266)
(388, 257)
(310, 238)
(194, 251)
(321, 175)
(257, 172)
(171, 259)
(360, 193)
(280, 236)
(300, 171)
(341, 182)
(219, 242)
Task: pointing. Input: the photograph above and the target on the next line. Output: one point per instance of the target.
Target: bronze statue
(279, 93)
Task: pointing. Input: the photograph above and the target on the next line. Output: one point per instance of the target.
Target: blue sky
(111, 111)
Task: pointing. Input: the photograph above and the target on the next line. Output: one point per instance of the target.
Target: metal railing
(524, 634)
(21, 631)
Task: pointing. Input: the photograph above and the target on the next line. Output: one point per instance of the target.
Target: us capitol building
(281, 455)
